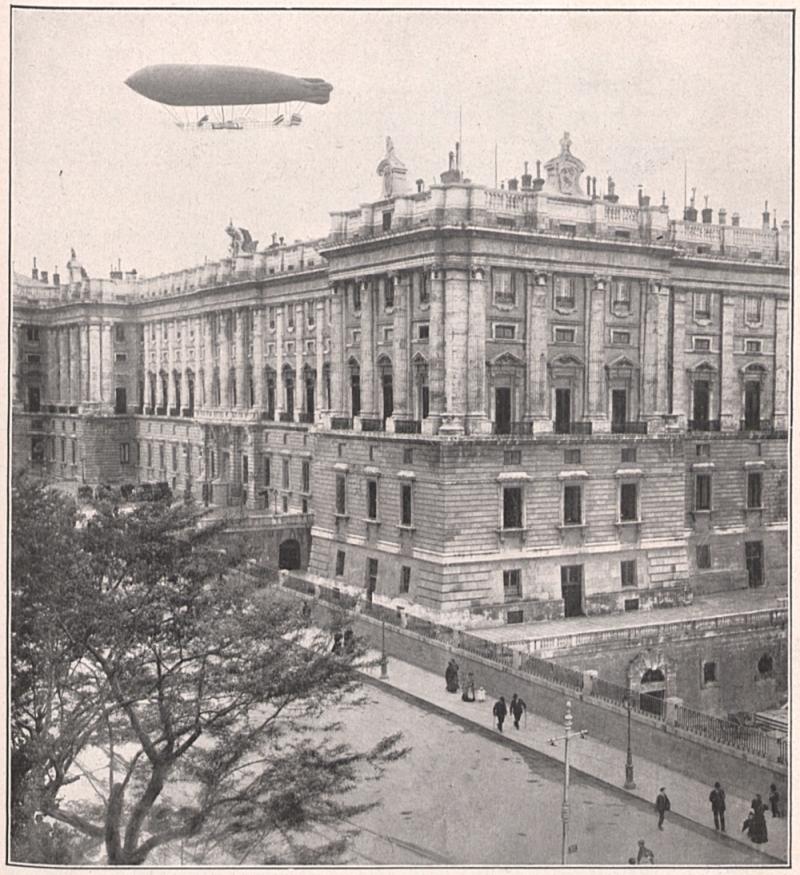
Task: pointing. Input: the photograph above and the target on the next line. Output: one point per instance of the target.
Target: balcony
(572, 427)
(407, 426)
(373, 425)
(187, 412)
(704, 425)
(150, 411)
(764, 425)
(161, 411)
(518, 429)
(306, 417)
(269, 416)
(628, 428)
(286, 416)
(174, 411)
(341, 422)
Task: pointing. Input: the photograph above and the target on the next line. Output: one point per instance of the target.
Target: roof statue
(393, 172)
(564, 172)
(241, 240)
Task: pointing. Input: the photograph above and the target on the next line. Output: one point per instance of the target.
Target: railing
(553, 672)
(646, 704)
(341, 422)
(724, 731)
(188, 412)
(150, 411)
(373, 425)
(519, 429)
(628, 428)
(618, 215)
(269, 415)
(286, 417)
(161, 411)
(407, 426)
(572, 427)
(764, 425)
(174, 411)
(306, 417)
(704, 425)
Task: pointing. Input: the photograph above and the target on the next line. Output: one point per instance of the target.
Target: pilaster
(259, 317)
(337, 349)
(400, 346)
(184, 363)
(299, 380)
(780, 405)
(171, 341)
(225, 334)
(368, 402)
(319, 349)
(456, 316)
(241, 343)
(477, 420)
(436, 346)
(107, 366)
(280, 385)
(208, 362)
(51, 382)
(594, 407)
(679, 400)
(74, 366)
(730, 397)
(95, 372)
(63, 366)
(536, 352)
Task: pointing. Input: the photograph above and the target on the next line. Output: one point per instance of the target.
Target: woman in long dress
(757, 830)
(451, 676)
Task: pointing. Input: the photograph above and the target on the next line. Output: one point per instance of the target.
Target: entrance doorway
(388, 396)
(502, 410)
(653, 690)
(572, 590)
(754, 559)
(289, 554)
(563, 411)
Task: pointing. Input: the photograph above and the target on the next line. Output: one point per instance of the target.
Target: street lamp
(384, 661)
(629, 784)
(568, 734)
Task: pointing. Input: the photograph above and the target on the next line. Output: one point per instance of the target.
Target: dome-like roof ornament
(564, 172)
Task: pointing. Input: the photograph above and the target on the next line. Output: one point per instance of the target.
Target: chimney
(513, 184)
(274, 239)
(458, 156)
(594, 187)
(765, 217)
(723, 216)
(56, 277)
(611, 197)
(280, 241)
(708, 213)
(538, 183)
(785, 225)
(526, 178)
(420, 185)
(35, 270)
(43, 276)
(690, 213)
(735, 220)
(640, 195)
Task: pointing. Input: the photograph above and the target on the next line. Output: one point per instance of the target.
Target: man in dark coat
(500, 711)
(662, 806)
(717, 799)
(517, 707)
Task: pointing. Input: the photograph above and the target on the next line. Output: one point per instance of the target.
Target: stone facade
(528, 401)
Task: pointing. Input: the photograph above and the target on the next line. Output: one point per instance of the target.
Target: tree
(203, 697)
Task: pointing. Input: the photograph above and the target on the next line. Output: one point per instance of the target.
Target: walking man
(717, 799)
(662, 806)
(517, 707)
(500, 711)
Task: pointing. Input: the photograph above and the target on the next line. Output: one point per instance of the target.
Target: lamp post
(384, 661)
(629, 784)
(568, 734)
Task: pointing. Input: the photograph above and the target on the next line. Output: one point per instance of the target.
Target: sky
(97, 167)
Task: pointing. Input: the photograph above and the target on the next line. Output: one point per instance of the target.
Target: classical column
(280, 387)
(16, 365)
(299, 379)
(74, 365)
(319, 349)
(730, 410)
(368, 402)
(594, 402)
(679, 402)
(456, 315)
(95, 372)
(337, 350)
(85, 391)
(780, 404)
(146, 368)
(242, 399)
(536, 340)
(225, 336)
(184, 350)
(401, 368)
(51, 384)
(258, 360)
(436, 347)
(107, 365)
(159, 345)
(477, 420)
(171, 343)
(655, 356)
(208, 362)
(63, 366)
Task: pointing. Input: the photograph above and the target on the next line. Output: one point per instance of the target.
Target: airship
(203, 93)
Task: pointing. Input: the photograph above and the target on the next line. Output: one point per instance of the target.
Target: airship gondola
(215, 97)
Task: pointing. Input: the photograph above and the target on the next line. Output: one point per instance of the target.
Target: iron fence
(723, 731)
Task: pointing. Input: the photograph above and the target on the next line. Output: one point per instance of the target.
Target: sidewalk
(689, 798)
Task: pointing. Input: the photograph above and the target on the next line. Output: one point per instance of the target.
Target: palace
(528, 402)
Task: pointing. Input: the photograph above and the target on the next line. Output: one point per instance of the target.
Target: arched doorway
(289, 554)
(652, 691)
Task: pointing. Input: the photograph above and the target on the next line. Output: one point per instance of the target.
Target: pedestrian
(774, 800)
(469, 689)
(451, 676)
(517, 707)
(337, 643)
(349, 641)
(757, 825)
(717, 799)
(500, 711)
(305, 612)
(645, 854)
(662, 806)
(480, 695)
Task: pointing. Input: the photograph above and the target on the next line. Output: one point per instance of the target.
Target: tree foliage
(148, 666)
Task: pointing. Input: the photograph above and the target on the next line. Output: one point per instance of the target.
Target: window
(388, 335)
(73, 446)
(564, 335)
(504, 332)
(702, 305)
(356, 297)
(310, 310)
(124, 453)
(387, 222)
(119, 333)
(621, 337)
(754, 490)
(512, 584)
(63, 449)
(285, 504)
(32, 334)
(703, 556)
(701, 344)
(245, 469)
(306, 474)
(188, 458)
(628, 454)
(627, 573)
(408, 455)
(372, 452)
(149, 455)
(512, 507)
(405, 578)
(120, 357)
(372, 576)
(752, 309)
(341, 495)
(628, 502)
(515, 616)
(174, 457)
(621, 296)
(339, 450)
(512, 457)
(572, 457)
(405, 504)
(423, 330)
(703, 451)
(503, 288)
(161, 456)
(702, 492)
(286, 474)
(765, 666)
(424, 289)
(372, 499)
(565, 292)
(388, 293)
(752, 346)
(572, 505)
(339, 563)
(709, 673)
(267, 470)
(34, 358)
(356, 337)
(631, 604)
